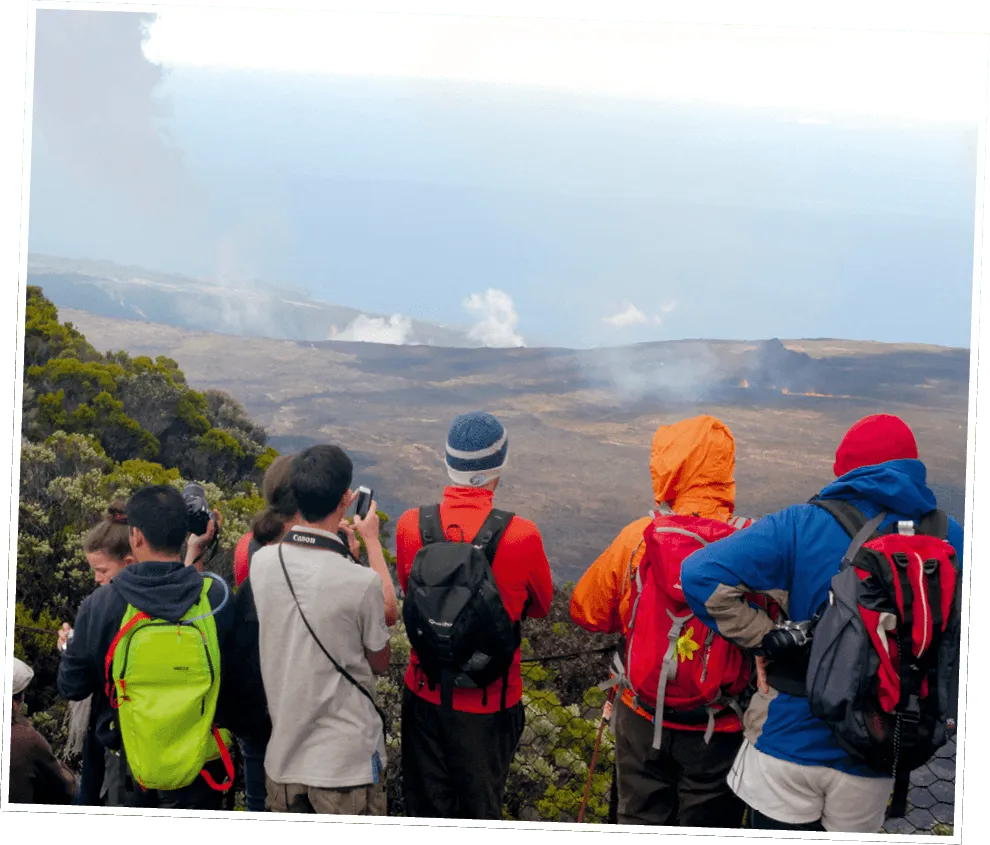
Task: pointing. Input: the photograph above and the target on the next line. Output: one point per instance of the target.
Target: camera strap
(318, 541)
(315, 541)
(326, 544)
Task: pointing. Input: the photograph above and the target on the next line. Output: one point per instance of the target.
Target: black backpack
(453, 612)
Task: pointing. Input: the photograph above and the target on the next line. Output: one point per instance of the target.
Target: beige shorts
(354, 801)
(797, 794)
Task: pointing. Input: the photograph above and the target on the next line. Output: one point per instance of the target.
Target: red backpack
(676, 666)
(886, 644)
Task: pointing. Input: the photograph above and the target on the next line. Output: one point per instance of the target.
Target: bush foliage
(95, 427)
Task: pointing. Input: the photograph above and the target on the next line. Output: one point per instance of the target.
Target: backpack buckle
(912, 713)
(900, 559)
(906, 527)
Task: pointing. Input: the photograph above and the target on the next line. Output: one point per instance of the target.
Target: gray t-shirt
(325, 733)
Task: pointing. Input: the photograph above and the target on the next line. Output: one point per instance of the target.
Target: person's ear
(137, 539)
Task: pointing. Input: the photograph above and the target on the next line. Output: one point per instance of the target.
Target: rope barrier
(547, 658)
(54, 633)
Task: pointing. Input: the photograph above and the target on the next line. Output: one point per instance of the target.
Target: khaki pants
(784, 792)
(366, 800)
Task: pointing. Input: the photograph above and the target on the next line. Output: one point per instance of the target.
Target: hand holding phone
(366, 521)
(365, 495)
(348, 535)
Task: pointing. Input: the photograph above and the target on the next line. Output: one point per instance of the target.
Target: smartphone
(364, 497)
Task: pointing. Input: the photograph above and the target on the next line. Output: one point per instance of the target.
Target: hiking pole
(594, 754)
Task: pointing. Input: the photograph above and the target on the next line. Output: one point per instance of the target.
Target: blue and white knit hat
(477, 449)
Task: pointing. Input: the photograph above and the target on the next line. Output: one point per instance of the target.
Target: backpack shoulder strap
(847, 515)
(935, 524)
(491, 532)
(853, 521)
(136, 617)
(430, 526)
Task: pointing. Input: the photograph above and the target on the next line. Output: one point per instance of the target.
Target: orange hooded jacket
(692, 465)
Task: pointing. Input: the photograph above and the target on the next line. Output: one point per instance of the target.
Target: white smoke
(395, 330)
(496, 326)
(682, 374)
(98, 107)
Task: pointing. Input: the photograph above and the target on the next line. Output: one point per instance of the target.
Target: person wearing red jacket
(269, 525)
(249, 717)
(455, 761)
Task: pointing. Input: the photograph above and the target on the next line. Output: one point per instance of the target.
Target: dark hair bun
(268, 526)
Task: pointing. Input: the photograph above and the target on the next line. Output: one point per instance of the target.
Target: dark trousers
(455, 765)
(89, 793)
(123, 791)
(255, 789)
(613, 799)
(755, 820)
(683, 783)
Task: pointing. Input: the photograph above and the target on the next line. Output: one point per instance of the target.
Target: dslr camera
(198, 515)
(787, 639)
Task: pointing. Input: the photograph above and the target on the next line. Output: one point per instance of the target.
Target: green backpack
(163, 679)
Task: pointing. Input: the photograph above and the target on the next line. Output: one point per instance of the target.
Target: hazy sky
(541, 181)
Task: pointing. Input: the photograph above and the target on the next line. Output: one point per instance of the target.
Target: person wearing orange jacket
(684, 782)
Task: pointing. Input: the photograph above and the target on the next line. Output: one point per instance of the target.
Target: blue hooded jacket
(792, 555)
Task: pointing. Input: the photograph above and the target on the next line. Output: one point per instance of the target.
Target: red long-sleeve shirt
(242, 558)
(521, 571)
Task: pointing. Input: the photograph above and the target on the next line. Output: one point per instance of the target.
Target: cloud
(904, 74)
(497, 324)
(630, 315)
(396, 330)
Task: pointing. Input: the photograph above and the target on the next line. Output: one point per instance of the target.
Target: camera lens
(197, 509)
(781, 641)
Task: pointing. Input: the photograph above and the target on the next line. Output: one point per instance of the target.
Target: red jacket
(521, 572)
(242, 558)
